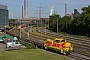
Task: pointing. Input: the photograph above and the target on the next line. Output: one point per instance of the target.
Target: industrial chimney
(25, 9)
(65, 9)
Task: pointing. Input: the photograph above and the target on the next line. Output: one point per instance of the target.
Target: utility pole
(28, 34)
(20, 28)
(57, 24)
(5, 24)
(48, 24)
(45, 25)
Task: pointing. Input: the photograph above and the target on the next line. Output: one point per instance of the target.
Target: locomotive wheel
(62, 51)
(45, 47)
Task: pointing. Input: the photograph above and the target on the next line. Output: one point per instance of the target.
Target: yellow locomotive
(59, 44)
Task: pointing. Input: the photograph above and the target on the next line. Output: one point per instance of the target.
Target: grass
(30, 54)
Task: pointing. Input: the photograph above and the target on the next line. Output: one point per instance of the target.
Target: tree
(64, 23)
(78, 26)
(81, 23)
(53, 22)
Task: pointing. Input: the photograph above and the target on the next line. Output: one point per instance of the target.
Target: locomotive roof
(59, 39)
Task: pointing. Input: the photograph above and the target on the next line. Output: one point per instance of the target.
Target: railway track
(81, 50)
(39, 42)
(85, 41)
(78, 56)
(83, 45)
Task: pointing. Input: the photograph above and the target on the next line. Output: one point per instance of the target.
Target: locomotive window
(57, 41)
(63, 41)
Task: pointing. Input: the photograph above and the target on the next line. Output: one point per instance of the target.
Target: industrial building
(4, 16)
(76, 13)
(73, 15)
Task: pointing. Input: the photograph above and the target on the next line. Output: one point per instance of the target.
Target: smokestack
(22, 11)
(12, 15)
(25, 9)
(65, 9)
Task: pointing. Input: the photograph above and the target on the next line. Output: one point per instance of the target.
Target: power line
(40, 12)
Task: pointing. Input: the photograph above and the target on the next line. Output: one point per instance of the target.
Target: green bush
(28, 45)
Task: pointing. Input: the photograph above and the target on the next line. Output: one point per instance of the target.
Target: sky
(15, 7)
